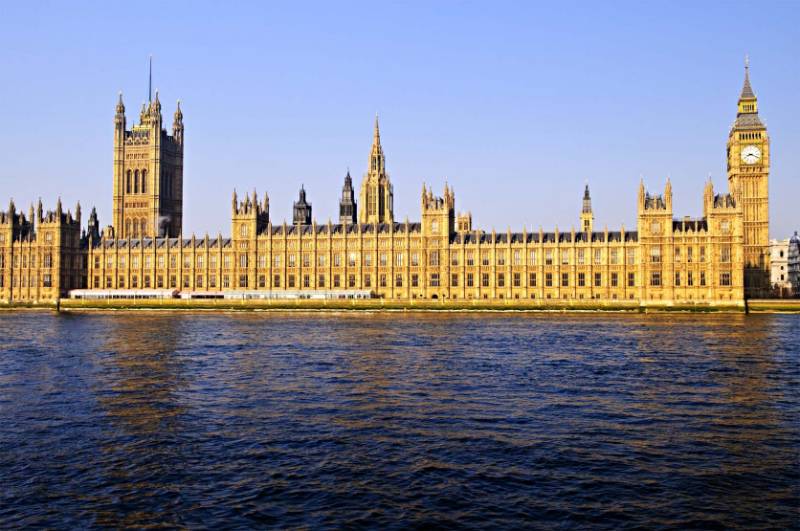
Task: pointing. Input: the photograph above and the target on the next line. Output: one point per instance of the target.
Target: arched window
(128, 183)
(136, 182)
(144, 228)
(127, 228)
(144, 181)
(135, 228)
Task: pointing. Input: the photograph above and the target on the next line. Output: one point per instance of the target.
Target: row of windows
(26, 282)
(749, 136)
(136, 182)
(724, 279)
(135, 228)
(400, 258)
(47, 261)
(351, 260)
(689, 254)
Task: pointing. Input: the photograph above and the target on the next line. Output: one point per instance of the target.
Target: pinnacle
(747, 90)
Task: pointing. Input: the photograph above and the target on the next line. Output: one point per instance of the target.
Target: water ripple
(398, 421)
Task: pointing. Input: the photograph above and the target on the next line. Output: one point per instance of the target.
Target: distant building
(785, 266)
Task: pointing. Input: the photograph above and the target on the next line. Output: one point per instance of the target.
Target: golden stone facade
(664, 261)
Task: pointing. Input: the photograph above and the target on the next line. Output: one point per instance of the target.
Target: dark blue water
(397, 421)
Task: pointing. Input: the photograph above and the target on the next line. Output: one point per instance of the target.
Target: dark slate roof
(724, 201)
(654, 202)
(747, 121)
(747, 90)
(689, 225)
(350, 228)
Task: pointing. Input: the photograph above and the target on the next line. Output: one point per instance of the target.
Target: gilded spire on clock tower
(748, 179)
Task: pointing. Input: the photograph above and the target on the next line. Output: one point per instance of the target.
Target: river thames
(399, 420)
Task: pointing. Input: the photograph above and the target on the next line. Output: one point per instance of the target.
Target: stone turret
(301, 212)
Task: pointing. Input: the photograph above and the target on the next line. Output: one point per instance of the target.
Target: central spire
(376, 198)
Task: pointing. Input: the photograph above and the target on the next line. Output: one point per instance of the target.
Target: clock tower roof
(747, 115)
(747, 90)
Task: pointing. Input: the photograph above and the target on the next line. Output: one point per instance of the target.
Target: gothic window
(136, 182)
(128, 183)
(655, 255)
(144, 181)
(144, 228)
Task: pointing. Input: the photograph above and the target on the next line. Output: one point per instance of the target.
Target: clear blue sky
(515, 104)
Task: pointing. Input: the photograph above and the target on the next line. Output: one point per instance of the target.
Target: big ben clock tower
(748, 180)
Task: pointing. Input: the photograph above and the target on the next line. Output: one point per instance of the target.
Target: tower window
(144, 181)
(128, 182)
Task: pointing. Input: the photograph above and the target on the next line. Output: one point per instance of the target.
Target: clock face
(751, 154)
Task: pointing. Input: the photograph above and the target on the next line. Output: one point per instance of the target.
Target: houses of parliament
(720, 258)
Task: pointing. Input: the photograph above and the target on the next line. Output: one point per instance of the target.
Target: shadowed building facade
(663, 260)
